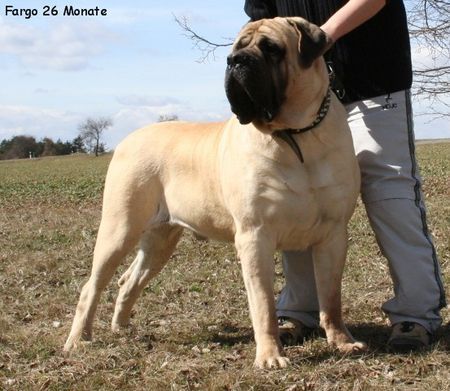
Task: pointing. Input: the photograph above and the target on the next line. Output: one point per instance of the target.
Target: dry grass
(191, 328)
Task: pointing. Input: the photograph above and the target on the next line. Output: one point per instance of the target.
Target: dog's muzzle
(247, 86)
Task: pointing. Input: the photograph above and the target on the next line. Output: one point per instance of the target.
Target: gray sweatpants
(383, 137)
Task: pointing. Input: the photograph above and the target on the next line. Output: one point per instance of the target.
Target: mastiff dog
(281, 174)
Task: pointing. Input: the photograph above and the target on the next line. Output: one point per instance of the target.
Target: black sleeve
(260, 9)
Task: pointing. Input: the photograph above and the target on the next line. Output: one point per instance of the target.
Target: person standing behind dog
(371, 59)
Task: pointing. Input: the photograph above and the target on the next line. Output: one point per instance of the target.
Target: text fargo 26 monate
(47, 10)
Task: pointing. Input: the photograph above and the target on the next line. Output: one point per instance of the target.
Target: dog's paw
(76, 339)
(118, 327)
(70, 345)
(271, 362)
(352, 347)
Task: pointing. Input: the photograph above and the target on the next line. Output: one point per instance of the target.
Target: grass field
(191, 328)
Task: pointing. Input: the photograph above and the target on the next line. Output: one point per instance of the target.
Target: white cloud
(38, 122)
(145, 100)
(64, 47)
(60, 124)
(131, 118)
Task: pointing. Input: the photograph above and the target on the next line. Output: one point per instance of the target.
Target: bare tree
(429, 25)
(91, 132)
(167, 117)
(205, 46)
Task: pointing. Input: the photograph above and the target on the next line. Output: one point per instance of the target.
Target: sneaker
(409, 336)
(292, 331)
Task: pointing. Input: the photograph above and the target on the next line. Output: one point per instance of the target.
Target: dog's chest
(297, 206)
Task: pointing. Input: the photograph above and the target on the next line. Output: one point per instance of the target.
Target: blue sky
(133, 65)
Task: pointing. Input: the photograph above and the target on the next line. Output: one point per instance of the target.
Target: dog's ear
(313, 42)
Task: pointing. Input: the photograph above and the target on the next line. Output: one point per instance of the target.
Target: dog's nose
(239, 58)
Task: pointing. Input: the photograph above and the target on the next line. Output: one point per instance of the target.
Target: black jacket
(372, 60)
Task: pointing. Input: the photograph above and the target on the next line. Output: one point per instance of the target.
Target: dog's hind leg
(329, 259)
(125, 216)
(156, 246)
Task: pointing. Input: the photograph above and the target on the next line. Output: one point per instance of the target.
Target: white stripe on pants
(390, 188)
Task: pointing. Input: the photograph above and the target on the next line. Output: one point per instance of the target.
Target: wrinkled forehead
(266, 29)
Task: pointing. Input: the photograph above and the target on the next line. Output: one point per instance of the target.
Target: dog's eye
(271, 49)
(242, 43)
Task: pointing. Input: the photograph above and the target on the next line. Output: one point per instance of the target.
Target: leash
(287, 134)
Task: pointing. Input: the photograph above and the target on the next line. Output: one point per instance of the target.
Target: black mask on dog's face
(255, 80)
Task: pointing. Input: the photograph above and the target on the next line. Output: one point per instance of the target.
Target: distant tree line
(20, 147)
(88, 140)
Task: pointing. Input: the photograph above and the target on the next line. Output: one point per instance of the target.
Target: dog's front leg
(329, 259)
(255, 251)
